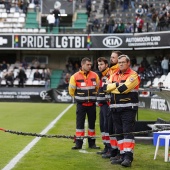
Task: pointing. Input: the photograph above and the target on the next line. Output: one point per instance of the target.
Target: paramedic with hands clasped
(103, 66)
(124, 85)
(83, 86)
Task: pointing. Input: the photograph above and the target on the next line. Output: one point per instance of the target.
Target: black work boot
(115, 157)
(103, 151)
(107, 154)
(92, 144)
(126, 163)
(94, 147)
(117, 161)
(76, 147)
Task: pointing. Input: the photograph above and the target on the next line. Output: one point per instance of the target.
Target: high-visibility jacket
(101, 99)
(124, 89)
(84, 87)
(113, 69)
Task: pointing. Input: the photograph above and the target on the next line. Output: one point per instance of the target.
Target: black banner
(50, 41)
(65, 6)
(130, 41)
(149, 41)
(5, 41)
(110, 42)
(34, 95)
(23, 95)
(86, 42)
(156, 103)
(59, 96)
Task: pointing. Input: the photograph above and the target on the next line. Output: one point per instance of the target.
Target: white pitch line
(22, 153)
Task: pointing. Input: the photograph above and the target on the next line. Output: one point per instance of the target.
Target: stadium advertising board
(5, 41)
(105, 41)
(65, 6)
(130, 41)
(49, 41)
(86, 42)
(154, 103)
(34, 95)
(24, 95)
(150, 40)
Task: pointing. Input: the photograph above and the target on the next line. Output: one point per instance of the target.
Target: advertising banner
(65, 6)
(149, 41)
(34, 95)
(85, 42)
(22, 95)
(110, 42)
(59, 42)
(154, 103)
(5, 41)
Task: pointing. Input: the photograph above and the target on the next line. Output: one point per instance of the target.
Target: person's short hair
(117, 52)
(123, 55)
(85, 59)
(100, 59)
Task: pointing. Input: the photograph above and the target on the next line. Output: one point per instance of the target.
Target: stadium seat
(42, 82)
(9, 20)
(30, 30)
(21, 19)
(9, 30)
(166, 82)
(155, 82)
(35, 82)
(16, 82)
(162, 79)
(24, 30)
(10, 15)
(28, 82)
(12, 10)
(17, 30)
(147, 84)
(4, 15)
(31, 6)
(2, 6)
(1, 24)
(22, 15)
(3, 82)
(16, 15)
(15, 20)
(35, 30)
(42, 30)
(5, 30)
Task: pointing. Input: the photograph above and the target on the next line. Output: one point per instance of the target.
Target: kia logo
(112, 41)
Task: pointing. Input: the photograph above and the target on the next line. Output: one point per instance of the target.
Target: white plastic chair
(167, 139)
